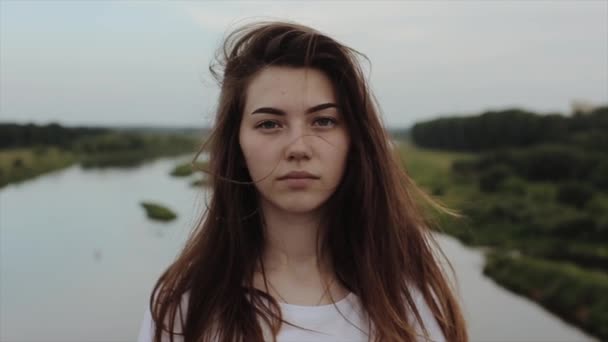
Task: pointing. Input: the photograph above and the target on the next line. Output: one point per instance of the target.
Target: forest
(29, 150)
(533, 188)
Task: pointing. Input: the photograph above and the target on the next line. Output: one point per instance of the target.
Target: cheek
(340, 149)
(335, 158)
(259, 156)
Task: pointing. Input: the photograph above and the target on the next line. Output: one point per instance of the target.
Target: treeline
(30, 150)
(541, 163)
(538, 191)
(513, 128)
(93, 141)
(15, 135)
(130, 149)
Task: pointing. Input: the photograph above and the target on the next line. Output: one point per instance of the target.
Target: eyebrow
(275, 111)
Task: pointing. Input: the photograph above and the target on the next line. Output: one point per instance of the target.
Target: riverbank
(113, 149)
(574, 294)
(107, 236)
(20, 164)
(523, 220)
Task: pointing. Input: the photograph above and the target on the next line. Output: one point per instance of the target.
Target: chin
(298, 205)
(299, 209)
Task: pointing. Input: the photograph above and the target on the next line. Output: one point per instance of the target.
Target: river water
(78, 259)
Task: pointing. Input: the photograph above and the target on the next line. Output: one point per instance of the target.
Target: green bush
(551, 163)
(513, 185)
(203, 182)
(18, 163)
(575, 294)
(590, 255)
(593, 139)
(558, 221)
(40, 151)
(464, 166)
(524, 217)
(598, 205)
(492, 178)
(158, 212)
(599, 175)
(601, 229)
(182, 170)
(509, 211)
(186, 169)
(110, 143)
(545, 162)
(501, 156)
(578, 225)
(575, 194)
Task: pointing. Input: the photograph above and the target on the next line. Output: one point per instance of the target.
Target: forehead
(290, 88)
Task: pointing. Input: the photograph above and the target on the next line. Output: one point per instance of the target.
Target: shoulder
(147, 326)
(428, 319)
(146, 329)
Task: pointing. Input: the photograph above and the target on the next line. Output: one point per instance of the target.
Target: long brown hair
(380, 244)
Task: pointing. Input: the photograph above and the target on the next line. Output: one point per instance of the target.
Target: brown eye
(267, 125)
(326, 122)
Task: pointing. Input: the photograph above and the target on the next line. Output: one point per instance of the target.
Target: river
(78, 259)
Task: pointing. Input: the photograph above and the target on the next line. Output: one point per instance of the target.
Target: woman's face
(291, 123)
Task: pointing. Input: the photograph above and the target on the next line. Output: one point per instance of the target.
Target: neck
(296, 270)
(292, 241)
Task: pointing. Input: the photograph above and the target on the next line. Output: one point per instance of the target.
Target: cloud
(335, 18)
(427, 57)
(438, 56)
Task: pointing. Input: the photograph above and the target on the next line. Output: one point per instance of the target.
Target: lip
(298, 175)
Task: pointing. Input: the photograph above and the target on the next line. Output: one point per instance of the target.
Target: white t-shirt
(326, 321)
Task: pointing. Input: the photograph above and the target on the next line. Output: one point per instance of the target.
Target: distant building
(582, 106)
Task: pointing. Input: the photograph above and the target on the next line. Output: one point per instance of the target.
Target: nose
(299, 149)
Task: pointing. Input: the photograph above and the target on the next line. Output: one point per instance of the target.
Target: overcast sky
(146, 62)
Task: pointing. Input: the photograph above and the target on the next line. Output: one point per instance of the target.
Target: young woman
(312, 232)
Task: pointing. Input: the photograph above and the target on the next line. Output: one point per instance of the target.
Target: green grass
(20, 164)
(114, 149)
(186, 169)
(204, 182)
(575, 294)
(431, 170)
(428, 167)
(565, 275)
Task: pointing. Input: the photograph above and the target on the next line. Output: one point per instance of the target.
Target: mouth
(298, 175)
(298, 180)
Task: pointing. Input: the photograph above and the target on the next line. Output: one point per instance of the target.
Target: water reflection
(494, 314)
(78, 254)
(79, 258)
